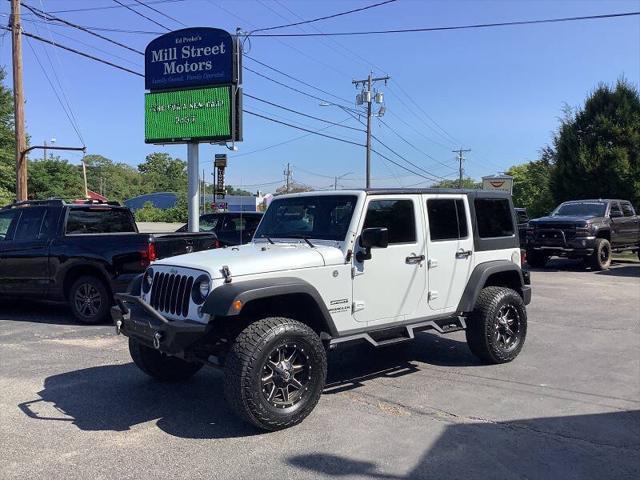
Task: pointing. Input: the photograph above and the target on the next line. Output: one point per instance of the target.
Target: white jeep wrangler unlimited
(326, 268)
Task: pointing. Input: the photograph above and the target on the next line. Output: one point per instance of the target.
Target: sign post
(193, 80)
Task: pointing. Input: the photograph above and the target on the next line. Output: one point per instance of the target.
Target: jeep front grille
(171, 293)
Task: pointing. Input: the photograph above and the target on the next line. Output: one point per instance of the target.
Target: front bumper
(135, 318)
(556, 243)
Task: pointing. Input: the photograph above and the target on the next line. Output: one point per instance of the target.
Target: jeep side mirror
(377, 237)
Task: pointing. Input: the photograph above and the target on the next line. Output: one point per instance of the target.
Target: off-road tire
(600, 259)
(537, 259)
(484, 322)
(247, 362)
(91, 286)
(159, 365)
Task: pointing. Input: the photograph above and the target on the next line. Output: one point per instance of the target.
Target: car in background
(231, 228)
(80, 253)
(587, 229)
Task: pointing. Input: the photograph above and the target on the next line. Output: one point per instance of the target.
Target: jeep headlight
(201, 289)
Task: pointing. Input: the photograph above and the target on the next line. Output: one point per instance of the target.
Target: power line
(128, 7)
(454, 27)
(78, 52)
(110, 7)
(434, 176)
(413, 146)
(294, 78)
(327, 17)
(160, 12)
(315, 132)
(47, 16)
(302, 114)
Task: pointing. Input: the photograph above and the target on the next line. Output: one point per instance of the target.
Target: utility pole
(287, 174)
(18, 102)
(460, 153)
(366, 96)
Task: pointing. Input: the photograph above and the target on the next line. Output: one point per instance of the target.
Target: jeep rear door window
(99, 220)
(395, 215)
(447, 219)
(494, 217)
(580, 209)
(324, 217)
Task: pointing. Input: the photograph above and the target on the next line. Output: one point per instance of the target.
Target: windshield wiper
(268, 239)
(306, 239)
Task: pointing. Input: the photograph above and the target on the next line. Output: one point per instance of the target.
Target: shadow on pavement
(598, 446)
(619, 267)
(351, 366)
(36, 312)
(117, 397)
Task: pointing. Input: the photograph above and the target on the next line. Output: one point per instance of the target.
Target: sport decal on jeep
(340, 305)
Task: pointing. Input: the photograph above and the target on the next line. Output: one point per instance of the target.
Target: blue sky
(496, 91)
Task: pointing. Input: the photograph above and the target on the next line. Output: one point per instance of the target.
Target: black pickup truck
(587, 229)
(80, 253)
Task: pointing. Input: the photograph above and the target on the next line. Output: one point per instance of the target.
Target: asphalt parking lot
(72, 405)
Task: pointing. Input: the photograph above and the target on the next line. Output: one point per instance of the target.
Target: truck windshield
(581, 209)
(324, 217)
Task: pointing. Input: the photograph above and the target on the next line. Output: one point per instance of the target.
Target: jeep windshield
(323, 217)
(580, 209)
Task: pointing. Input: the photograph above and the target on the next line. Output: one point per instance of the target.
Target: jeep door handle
(463, 253)
(413, 259)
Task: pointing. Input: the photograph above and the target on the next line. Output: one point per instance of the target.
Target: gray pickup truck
(587, 229)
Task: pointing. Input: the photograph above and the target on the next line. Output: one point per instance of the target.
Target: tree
(116, 181)
(7, 144)
(531, 184)
(55, 177)
(597, 147)
(293, 188)
(238, 191)
(466, 183)
(163, 173)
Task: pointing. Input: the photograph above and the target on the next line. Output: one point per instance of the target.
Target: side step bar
(378, 338)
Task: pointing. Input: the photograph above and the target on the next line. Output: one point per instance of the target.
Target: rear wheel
(275, 372)
(601, 257)
(497, 327)
(159, 365)
(90, 300)
(537, 259)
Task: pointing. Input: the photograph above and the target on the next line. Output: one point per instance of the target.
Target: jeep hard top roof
(404, 191)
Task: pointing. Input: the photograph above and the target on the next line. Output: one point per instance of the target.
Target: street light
(52, 141)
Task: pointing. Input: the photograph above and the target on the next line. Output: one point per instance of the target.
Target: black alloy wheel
(507, 327)
(285, 375)
(89, 300)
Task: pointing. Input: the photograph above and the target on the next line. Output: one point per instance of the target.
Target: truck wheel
(497, 327)
(537, 259)
(601, 257)
(275, 373)
(159, 365)
(89, 300)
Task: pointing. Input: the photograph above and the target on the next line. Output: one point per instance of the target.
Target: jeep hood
(254, 258)
(564, 219)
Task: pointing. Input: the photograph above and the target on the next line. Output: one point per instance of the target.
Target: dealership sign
(193, 81)
(184, 115)
(502, 183)
(188, 58)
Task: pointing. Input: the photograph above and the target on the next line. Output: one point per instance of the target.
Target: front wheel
(601, 257)
(497, 327)
(275, 373)
(159, 365)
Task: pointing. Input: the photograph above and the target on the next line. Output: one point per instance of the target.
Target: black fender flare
(479, 277)
(221, 301)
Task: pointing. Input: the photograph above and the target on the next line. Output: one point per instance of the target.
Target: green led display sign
(179, 116)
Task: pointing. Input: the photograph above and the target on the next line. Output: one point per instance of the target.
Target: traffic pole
(18, 103)
(193, 200)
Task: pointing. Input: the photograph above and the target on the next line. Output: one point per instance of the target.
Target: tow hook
(118, 326)
(156, 340)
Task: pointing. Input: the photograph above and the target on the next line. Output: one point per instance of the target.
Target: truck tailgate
(171, 244)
